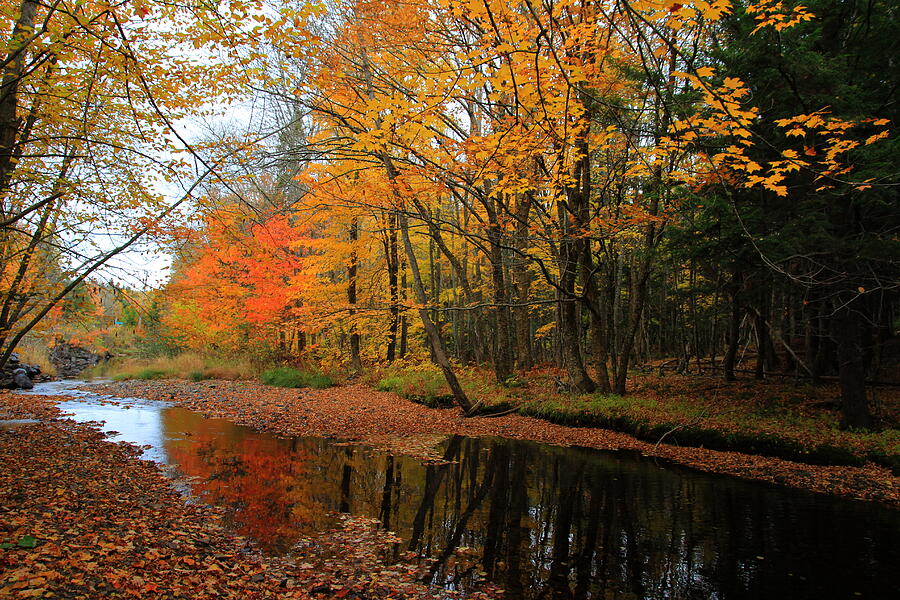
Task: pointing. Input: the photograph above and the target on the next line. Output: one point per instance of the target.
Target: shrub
(390, 384)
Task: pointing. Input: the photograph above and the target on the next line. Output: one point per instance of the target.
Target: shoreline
(388, 421)
(83, 517)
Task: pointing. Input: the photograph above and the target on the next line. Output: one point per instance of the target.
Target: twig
(471, 411)
(500, 414)
(693, 421)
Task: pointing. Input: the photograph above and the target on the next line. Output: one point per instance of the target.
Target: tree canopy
(589, 184)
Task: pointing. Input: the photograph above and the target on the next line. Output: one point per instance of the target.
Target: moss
(514, 381)
(432, 400)
(607, 413)
(493, 409)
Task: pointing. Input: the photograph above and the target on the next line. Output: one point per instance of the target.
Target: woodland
(589, 185)
(583, 187)
(676, 219)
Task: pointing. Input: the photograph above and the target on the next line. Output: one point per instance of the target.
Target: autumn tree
(89, 98)
(584, 183)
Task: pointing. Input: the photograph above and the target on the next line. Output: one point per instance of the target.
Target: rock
(22, 380)
(70, 360)
(15, 375)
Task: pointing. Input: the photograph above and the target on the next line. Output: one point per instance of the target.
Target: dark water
(541, 521)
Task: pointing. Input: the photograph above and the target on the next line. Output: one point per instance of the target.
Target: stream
(540, 521)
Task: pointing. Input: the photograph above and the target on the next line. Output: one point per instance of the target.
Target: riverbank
(84, 518)
(787, 419)
(386, 420)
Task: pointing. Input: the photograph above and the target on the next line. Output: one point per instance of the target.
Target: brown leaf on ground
(84, 518)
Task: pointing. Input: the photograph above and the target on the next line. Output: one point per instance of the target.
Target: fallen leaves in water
(81, 517)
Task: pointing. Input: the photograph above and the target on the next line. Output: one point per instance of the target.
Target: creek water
(541, 521)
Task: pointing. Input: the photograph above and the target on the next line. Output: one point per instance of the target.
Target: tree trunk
(522, 282)
(638, 293)
(434, 335)
(849, 326)
(599, 353)
(393, 264)
(762, 334)
(9, 91)
(502, 351)
(438, 348)
(568, 325)
(636, 304)
(355, 360)
(734, 325)
(572, 216)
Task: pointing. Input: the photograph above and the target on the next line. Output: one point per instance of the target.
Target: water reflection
(130, 420)
(548, 522)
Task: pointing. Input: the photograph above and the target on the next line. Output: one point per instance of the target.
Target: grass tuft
(147, 373)
(197, 375)
(185, 366)
(36, 354)
(289, 377)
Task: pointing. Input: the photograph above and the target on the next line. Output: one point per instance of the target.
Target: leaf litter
(82, 517)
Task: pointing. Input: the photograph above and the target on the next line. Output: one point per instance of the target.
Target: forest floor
(778, 416)
(84, 518)
(384, 419)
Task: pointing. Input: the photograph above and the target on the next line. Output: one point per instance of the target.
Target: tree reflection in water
(547, 522)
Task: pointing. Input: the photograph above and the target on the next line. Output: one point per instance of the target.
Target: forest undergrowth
(794, 420)
(783, 418)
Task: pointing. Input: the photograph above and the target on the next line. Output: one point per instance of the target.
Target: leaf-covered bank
(784, 419)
